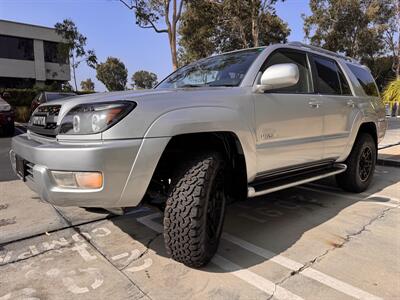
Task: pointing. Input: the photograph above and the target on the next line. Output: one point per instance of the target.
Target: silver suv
(229, 127)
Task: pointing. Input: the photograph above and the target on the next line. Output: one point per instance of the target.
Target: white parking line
(351, 196)
(308, 272)
(251, 278)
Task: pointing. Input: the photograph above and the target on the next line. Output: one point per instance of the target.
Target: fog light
(83, 180)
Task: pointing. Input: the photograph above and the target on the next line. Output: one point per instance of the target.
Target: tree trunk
(254, 22)
(172, 44)
(74, 72)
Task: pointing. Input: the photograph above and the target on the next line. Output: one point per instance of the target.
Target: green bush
(391, 94)
(22, 114)
(24, 97)
(21, 97)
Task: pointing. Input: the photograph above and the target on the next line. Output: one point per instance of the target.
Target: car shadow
(274, 222)
(6, 171)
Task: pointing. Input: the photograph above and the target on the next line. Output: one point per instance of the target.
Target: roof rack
(321, 50)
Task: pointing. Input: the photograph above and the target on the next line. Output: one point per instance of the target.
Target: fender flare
(202, 119)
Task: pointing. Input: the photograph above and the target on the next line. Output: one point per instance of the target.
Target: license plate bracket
(39, 121)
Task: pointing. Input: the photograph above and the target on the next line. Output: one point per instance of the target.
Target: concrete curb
(388, 162)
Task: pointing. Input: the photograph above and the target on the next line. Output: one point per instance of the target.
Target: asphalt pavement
(309, 242)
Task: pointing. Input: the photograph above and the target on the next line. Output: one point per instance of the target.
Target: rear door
(338, 104)
(288, 120)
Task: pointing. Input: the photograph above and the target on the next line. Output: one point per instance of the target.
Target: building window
(53, 54)
(16, 48)
(18, 83)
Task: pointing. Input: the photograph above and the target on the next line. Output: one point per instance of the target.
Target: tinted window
(344, 84)
(366, 80)
(304, 84)
(327, 76)
(53, 54)
(16, 48)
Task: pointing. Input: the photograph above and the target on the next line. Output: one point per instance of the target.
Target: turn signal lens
(78, 180)
(89, 180)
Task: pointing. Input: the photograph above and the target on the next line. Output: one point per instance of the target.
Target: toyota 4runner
(229, 127)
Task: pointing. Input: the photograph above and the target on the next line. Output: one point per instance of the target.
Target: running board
(279, 183)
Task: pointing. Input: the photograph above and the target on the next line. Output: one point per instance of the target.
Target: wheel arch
(181, 147)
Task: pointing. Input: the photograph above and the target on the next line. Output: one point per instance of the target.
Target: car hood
(158, 100)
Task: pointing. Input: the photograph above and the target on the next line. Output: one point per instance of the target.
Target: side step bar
(280, 183)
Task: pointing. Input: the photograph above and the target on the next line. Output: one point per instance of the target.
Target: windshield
(222, 70)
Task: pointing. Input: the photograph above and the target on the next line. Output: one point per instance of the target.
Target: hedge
(24, 97)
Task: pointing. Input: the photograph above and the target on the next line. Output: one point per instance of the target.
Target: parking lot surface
(309, 242)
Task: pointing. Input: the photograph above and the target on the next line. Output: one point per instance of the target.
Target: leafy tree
(66, 87)
(148, 14)
(74, 46)
(113, 74)
(209, 27)
(363, 29)
(392, 33)
(144, 80)
(87, 85)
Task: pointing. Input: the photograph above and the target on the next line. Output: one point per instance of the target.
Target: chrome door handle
(314, 104)
(350, 103)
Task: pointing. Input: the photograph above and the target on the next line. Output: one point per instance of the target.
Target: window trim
(309, 65)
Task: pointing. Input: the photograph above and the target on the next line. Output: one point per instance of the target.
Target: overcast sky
(111, 30)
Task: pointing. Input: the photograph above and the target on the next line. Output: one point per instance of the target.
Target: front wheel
(360, 165)
(195, 209)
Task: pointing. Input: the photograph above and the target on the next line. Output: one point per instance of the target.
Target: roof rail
(321, 50)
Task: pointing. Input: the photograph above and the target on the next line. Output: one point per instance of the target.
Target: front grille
(29, 169)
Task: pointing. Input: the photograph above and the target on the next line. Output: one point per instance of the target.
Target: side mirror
(279, 76)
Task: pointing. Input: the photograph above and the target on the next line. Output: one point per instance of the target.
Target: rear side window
(327, 76)
(304, 85)
(344, 84)
(366, 80)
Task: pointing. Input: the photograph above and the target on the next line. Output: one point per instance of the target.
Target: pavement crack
(90, 242)
(273, 293)
(345, 241)
(143, 253)
(35, 255)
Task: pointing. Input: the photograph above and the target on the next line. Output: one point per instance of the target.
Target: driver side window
(304, 85)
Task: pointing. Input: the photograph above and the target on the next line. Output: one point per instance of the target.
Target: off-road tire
(187, 217)
(353, 180)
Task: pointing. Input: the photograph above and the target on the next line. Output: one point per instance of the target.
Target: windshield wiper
(223, 84)
(191, 85)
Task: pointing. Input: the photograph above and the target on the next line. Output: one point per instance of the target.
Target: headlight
(5, 107)
(95, 117)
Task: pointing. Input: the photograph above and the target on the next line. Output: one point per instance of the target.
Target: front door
(289, 121)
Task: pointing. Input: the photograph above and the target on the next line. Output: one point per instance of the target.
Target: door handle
(314, 103)
(350, 103)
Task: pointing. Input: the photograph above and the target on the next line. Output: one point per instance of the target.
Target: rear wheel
(195, 210)
(360, 165)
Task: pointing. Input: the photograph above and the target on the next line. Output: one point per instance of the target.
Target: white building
(29, 56)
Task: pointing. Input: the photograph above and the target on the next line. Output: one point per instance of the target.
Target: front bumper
(116, 159)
